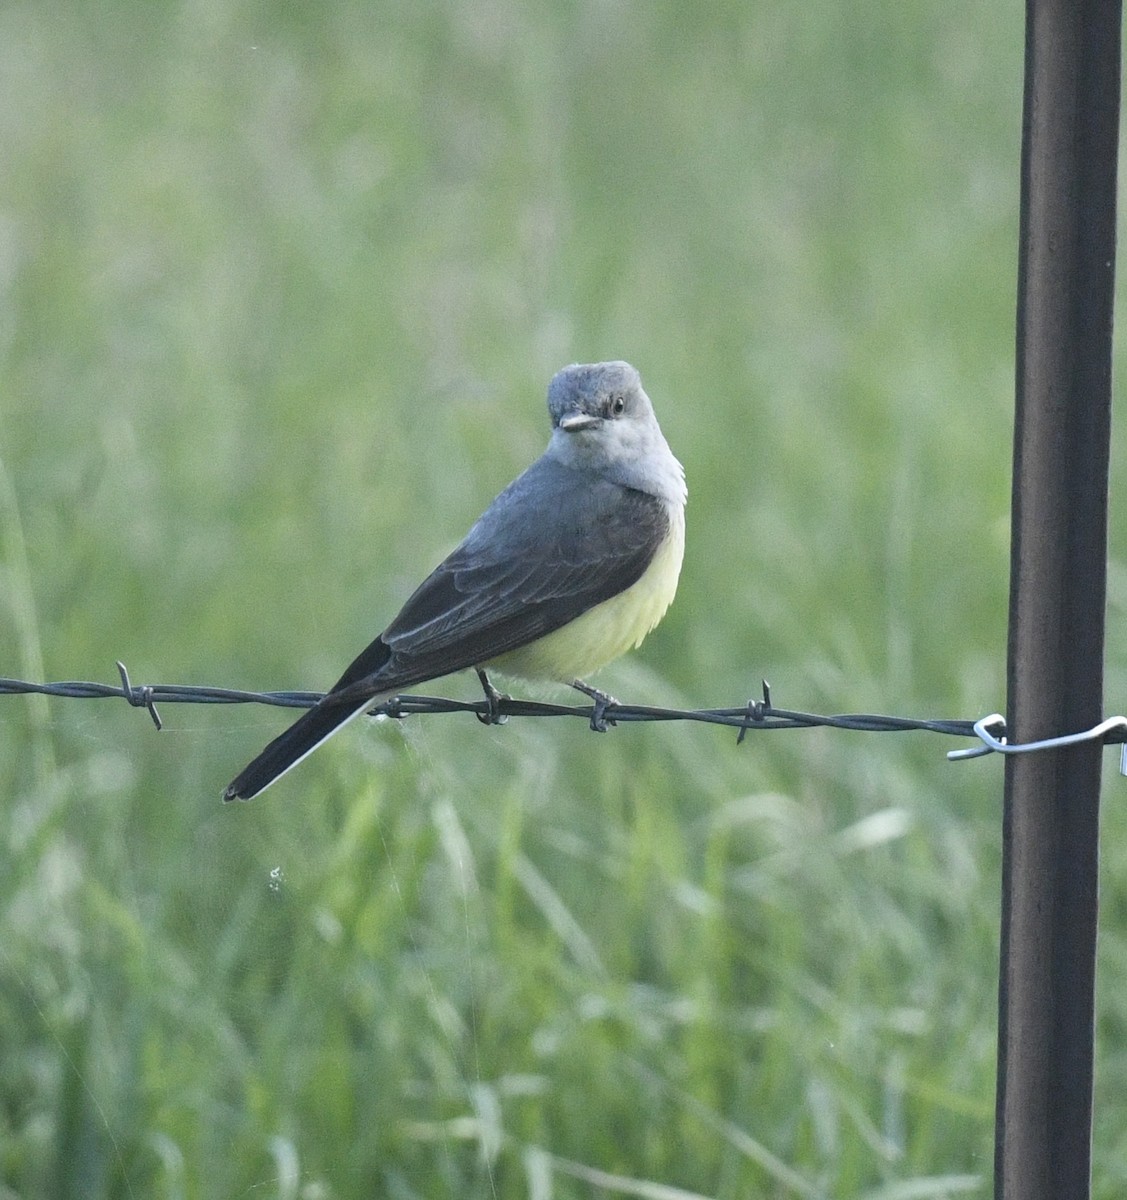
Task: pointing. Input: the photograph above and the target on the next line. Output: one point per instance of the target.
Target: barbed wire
(762, 714)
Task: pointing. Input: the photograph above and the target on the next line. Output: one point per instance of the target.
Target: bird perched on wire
(569, 567)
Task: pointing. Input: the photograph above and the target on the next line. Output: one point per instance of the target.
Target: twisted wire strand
(759, 714)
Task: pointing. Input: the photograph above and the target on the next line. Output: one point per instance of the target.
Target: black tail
(290, 747)
(309, 731)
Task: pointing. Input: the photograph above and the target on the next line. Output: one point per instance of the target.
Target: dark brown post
(1057, 597)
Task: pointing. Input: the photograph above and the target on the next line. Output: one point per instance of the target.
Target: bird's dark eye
(618, 405)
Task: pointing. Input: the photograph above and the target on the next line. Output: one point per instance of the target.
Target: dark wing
(552, 545)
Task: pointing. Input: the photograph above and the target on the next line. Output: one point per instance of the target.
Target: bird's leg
(493, 698)
(603, 701)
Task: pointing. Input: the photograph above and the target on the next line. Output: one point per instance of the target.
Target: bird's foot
(493, 714)
(600, 722)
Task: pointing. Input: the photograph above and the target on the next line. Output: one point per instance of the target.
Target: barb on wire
(755, 715)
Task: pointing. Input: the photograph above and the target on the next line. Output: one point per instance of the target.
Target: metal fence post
(1057, 597)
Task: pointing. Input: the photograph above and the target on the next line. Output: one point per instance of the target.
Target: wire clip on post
(999, 745)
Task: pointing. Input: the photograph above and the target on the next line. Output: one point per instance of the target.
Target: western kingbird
(571, 566)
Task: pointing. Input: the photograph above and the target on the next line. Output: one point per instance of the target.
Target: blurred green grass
(281, 287)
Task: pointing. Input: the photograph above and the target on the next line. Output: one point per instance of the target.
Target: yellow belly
(608, 630)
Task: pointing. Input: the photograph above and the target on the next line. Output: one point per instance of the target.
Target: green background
(281, 287)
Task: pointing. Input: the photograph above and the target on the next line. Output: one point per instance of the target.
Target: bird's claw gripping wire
(600, 722)
(141, 697)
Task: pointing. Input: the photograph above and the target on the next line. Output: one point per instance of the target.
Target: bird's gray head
(603, 421)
